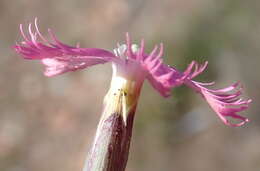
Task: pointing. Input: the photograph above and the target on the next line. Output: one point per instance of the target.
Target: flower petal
(162, 77)
(224, 101)
(56, 56)
(169, 77)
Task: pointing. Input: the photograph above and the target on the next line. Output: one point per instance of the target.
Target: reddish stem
(111, 147)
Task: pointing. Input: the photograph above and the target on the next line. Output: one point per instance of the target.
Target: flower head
(132, 63)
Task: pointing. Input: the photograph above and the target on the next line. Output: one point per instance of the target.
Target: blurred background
(48, 124)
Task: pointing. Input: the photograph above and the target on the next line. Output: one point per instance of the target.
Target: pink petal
(56, 56)
(226, 104)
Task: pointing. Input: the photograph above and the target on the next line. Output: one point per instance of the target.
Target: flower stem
(111, 147)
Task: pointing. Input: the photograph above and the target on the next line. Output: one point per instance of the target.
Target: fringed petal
(169, 77)
(162, 77)
(56, 56)
(225, 102)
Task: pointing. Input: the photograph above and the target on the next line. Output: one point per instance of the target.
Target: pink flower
(132, 63)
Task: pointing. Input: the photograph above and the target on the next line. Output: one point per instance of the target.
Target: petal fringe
(225, 102)
(56, 56)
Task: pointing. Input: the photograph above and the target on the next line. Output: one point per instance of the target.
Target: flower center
(121, 49)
